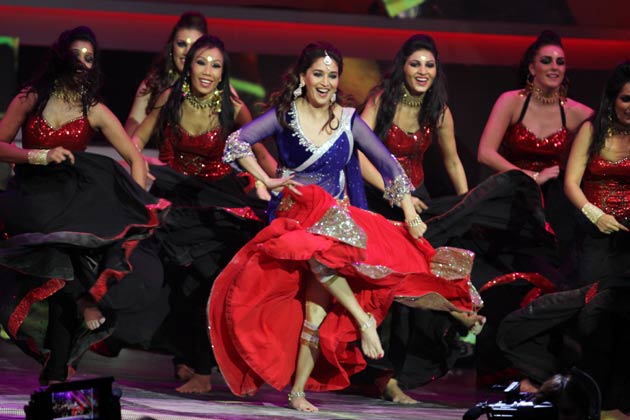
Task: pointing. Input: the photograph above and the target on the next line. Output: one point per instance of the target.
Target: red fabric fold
(256, 308)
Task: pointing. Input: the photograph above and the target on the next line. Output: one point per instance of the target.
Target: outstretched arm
(238, 148)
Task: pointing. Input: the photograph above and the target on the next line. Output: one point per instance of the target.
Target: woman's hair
(170, 114)
(163, 71)
(64, 70)
(606, 115)
(282, 98)
(545, 38)
(434, 103)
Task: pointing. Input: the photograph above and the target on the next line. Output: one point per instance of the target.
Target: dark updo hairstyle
(391, 85)
(545, 38)
(63, 68)
(606, 116)
(163, 71)
(170, 114)
(282, 98)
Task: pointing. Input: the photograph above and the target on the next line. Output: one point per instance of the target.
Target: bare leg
(393, 393)
(370, 341)
(317, 302)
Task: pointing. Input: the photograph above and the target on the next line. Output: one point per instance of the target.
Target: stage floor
(148, 390)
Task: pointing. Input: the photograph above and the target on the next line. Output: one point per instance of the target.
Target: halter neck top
(527, 151)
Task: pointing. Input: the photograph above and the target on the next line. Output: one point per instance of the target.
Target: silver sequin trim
(373, 271)
(344, 125)
(337, 223)
(235, 148)
(400, 186)
(452, 263)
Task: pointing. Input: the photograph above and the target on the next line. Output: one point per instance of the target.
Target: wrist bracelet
(38, 156)
(258, 183)
(592, 212)
(414, 222)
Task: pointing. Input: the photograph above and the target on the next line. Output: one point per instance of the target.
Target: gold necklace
(69, 96)
(410, 100)
(213, 101)
(541, 97)
(617, 130)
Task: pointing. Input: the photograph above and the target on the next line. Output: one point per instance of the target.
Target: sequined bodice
(73, 135)
(607, 185)
(409, 149)
(198, 156)
(527, 151)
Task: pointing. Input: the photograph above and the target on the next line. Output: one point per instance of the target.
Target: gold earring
(217, 100)
(185, 88)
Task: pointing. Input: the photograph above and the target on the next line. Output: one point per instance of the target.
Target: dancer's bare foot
(370, 341)
(197, 384)
(298, 401)
(613, 415)
(183, 372)
(393, 393)
(92, 315)
(527, 386)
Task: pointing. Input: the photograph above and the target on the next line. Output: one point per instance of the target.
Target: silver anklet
(296, 394)
(371, 322)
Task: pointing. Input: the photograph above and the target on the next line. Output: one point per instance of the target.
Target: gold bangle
(592, 212)
(414, 222)
(258, 183)
(38, 156)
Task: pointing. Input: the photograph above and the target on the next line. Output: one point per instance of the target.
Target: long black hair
(544, 39)
(63, 70)
(170, 114)
(391, 85)
(282, 98)
(606, 115)
(163, 72)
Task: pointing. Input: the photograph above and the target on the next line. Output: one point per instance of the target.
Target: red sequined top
(527, 151)
(73, 135)
(606, 184)
(522, 148)
(409, 149)
(199, 156)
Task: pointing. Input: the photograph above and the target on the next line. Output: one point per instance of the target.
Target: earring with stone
(298, 90)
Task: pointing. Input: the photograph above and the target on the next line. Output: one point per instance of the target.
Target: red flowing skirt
(256, 307)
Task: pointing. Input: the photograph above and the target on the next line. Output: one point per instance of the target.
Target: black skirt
(82, 228)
